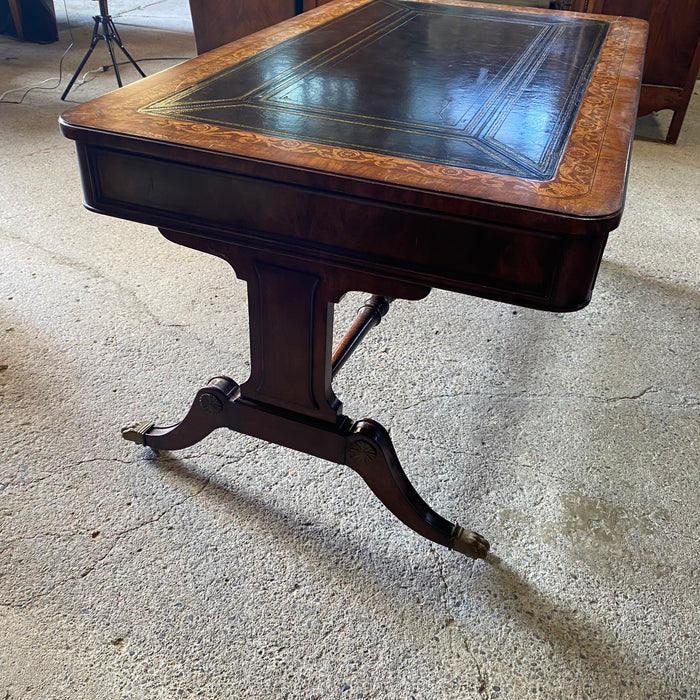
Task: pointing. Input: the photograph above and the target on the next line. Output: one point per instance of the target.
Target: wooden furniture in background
(216, 22)
(16, 12)
(673, 51)
(33, 20)
(384, 146)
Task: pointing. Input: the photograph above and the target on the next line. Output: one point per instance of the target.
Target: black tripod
(109, 34)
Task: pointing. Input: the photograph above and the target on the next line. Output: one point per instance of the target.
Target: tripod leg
(117, 38)
(106, 28)
(95, 38)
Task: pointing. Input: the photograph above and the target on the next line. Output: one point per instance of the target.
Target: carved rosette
(362, 451)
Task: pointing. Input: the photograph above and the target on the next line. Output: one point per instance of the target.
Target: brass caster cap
(470, 543)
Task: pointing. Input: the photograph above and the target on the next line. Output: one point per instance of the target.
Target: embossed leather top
(465, 90)
(461, 112)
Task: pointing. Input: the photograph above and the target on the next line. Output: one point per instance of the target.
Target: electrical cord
(105, 68)
(40, 86)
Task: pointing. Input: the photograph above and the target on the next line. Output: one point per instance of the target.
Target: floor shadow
(592, 648)
(577, 640)
(678, 290)
(302, 536)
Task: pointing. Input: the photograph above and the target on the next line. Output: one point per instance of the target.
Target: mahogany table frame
(555, 230)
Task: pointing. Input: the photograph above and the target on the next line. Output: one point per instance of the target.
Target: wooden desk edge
(589, 184)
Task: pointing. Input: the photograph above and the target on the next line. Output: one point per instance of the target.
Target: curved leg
(369, 451)
(365, 447)
(206, 414)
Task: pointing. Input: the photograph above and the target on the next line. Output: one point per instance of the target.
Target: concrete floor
(237, 569)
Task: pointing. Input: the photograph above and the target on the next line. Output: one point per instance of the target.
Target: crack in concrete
(482, 675)
(44, 151)
(117, 537)
(630, 398)
(81, 266)
(92, 460)
(30, 483)
(123, 533)
(682, 403)
(90, 569)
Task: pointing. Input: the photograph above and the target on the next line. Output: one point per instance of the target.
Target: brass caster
(470, 543)
(137, 432)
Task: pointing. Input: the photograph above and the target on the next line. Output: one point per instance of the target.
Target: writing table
(385, 146)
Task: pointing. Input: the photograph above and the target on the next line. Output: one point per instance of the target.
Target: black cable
(105, 68)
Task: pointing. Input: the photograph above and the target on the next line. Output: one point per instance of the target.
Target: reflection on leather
(471, 87)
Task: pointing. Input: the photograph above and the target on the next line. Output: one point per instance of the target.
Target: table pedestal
(288, 398)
